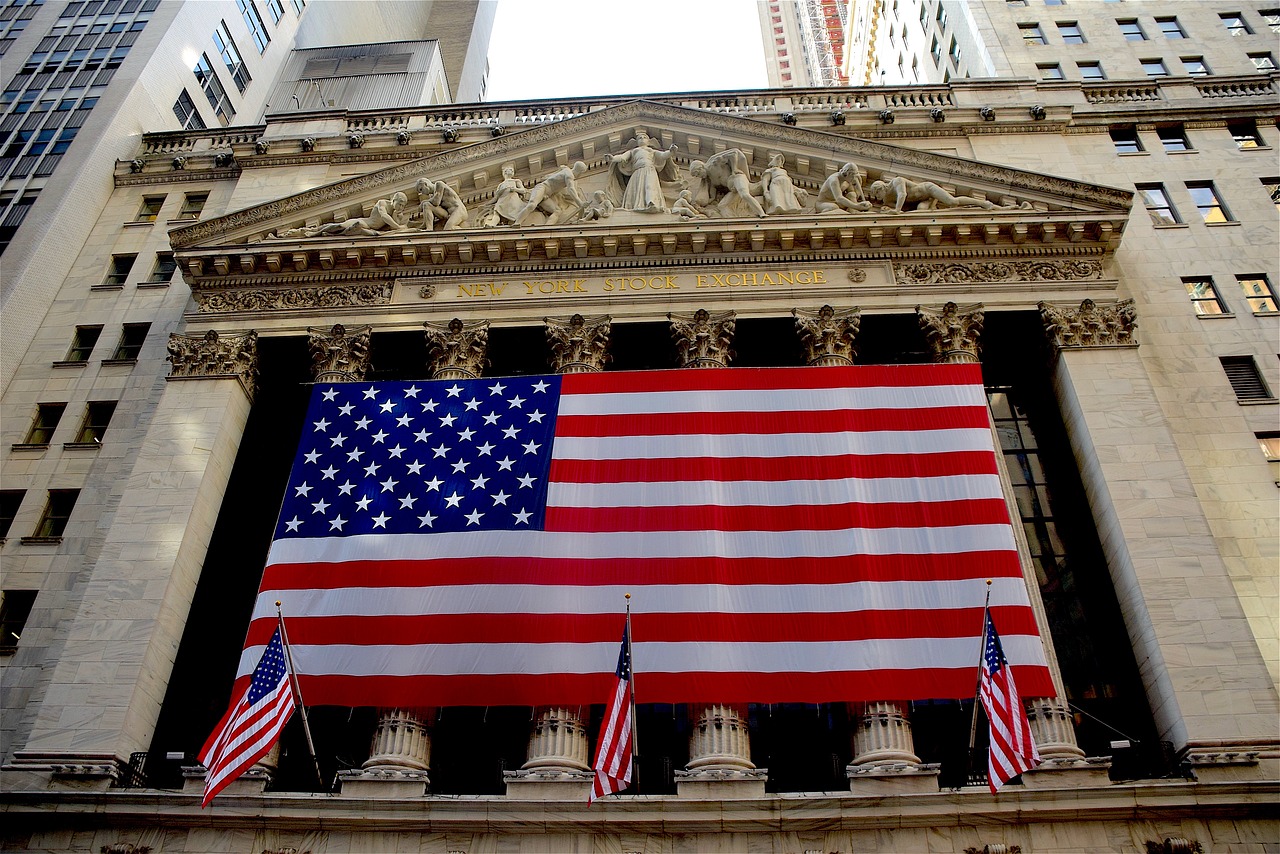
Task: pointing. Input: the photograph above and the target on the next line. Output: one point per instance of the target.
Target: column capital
(1108, 324)
(338, 355)
(578, 344)
(703, 340)
(457, 350)
(827, 334)
(212, 357)
(953, 332)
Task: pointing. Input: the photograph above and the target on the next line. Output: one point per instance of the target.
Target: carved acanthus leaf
(827, 334)
(578, 344)
(953, 332)
(338, 355)
(212, 356)
(457, 350)
(704, 340)
(267, 299)
(1091, 325)
(1049, 270)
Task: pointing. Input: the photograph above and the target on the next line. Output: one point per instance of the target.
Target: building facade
(1106, 252)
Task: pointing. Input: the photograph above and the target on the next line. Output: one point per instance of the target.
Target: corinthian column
(952, 332)
(338, 356)
(459, 350)
(702, 339)
(827, 334)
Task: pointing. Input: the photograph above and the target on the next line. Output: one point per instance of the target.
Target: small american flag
(252, 723)
(1013, 750)
(613, 753)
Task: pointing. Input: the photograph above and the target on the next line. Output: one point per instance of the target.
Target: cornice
(176, 176)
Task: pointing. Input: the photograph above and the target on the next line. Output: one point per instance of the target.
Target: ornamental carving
(263, 299)
(703, 340)
(578, 345)
(458, 350)
(215, 357)
(339, 356)
(827, 334)
(1090, 325)
(1063, 270)
(994, 848)
(953, 332)
(125, 848)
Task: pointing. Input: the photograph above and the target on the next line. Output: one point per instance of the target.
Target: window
(276, 10)
(1158, 204)
(1257, 290)
(15, 608)
(954, 52)
(1154, 67)
(119, 269)
(213, 90)
(253, 21)
(1125, 139)
(1195, 66)
(1091, 71)
(1171, 28)
(1053, 2)
(1070, 32)
(1204, 297)
(935, 50)
(1032, 34)
(1272, 186)
(193, 205)
(1207, 202)
(1245, 378)
(185, 109)
(1173, 138)
(97, 415)
(163, 269)
(941, 17)
(1270, 444)
(1263, 61)
(1015, 4)
(1245, 133)
(10, 501)
(230, 56)
(45, 423)
(1271, 17)
(56, 514)
(1234, 23)
(150, 208)
(298, 6)
(1131, 29)
(82, 343)
(132, 337)
(1051, 71)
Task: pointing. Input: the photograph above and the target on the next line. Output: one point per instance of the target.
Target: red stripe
(822, 517)
(641, 571)
(598, 628)
(772, 468)
(732, 423)
(861, 376)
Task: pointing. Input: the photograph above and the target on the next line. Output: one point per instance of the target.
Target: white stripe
(659, 657)
(656, 544)
(652, 599)
(760, 445)
(772, 400)
(756, 493)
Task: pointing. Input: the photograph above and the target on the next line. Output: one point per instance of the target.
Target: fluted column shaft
(401, 740)
(883, 736)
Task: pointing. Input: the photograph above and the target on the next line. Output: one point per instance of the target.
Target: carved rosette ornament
(338, 356)
(703, 340)
(1111, 324)
(579, 345)
(214, 357)
(827, 334)
(457, 351)
(953, 332)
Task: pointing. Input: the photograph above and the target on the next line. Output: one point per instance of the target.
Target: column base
(251, 782)
(388, 783)
(898, 779)
(1231, 763)
(1089, 772)
(549, 784)
(721, 784)
(30, 771)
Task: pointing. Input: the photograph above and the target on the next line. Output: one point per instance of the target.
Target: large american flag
(787, 534)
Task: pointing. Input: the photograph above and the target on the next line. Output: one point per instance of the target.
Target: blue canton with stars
(422, 457)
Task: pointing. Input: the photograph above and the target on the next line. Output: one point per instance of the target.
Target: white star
(460, 466)
(522, 518)
(336, 441)
(406, 503)
(411, 391)
(372, 469)
(293, 524)
(515, 402)
(319, 507)
(312, 457)
(354, 455)
(371, 393)
(479, 481)
(363, 503)
(389, 484)
(380, 436)
(499, 497)
(465, 435)
(422, 435)
(452, 500)
(535, 417)
(331, 394)
(380, 521)
(439, 451)
(346, 409)
(473, 405)
(363, 423)
(486, 449)
(505, 464)
(404, 420)
(336, 523)
(429, 406)
(491, 419)
(387, 406)
(345, 489)
(473, 518)
(329, 472)
(540, 386)
(531, 447)
(511, 432)
(447, 420)
(396, 451)
(321, 425)
(433, 485)
(303, 491)
(497, 388)
(425, 521)
(415, 467)
(526, 481)
(454, 390)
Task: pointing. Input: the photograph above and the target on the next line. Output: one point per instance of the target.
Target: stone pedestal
(385, 783)
(721, 784)
(399, 760)
(1069, 773)
(548, 784)
(893, 778)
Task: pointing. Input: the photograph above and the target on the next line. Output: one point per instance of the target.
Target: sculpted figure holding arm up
(726, 170)
(557, 195)
(635, 178)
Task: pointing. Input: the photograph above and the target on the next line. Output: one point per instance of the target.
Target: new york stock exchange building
(336, 402)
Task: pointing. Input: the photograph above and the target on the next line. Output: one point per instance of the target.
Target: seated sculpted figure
(726, 170)
(842, 191)
(557, 195)
(684, 206)
(896, 192)
(599, 207)
(508, 198)
(781, 196)
(438, 199)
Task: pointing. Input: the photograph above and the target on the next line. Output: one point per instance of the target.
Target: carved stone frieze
(994, 848)
(268, 299)
(125, 848)
(578, 344)
(1110, 324)
(338, 355)
(963, 272)
(458, 350)
(704, 340)
(212, 356)
(953, 332)
(827, 334)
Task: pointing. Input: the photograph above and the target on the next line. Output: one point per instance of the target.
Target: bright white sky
(568, 48)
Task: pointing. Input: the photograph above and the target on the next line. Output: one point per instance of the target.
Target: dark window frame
(133, 337)
(1204, 296)
(83, 340)
(44, 424)
(95, 421)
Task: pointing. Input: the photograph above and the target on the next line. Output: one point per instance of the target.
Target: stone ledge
(548, 784)
(384, 783)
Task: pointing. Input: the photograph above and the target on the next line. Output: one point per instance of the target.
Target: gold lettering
(495, 289)
(804, 277)
(747, 281)
(671, 283)
(786, 279)
(819, 277)
(578, 286)
(766, 279)
(465, 291)
(700, 281)
(719, 281)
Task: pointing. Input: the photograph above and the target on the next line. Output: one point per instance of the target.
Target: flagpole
(635, 742)
(977, 689)
(297, 694)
